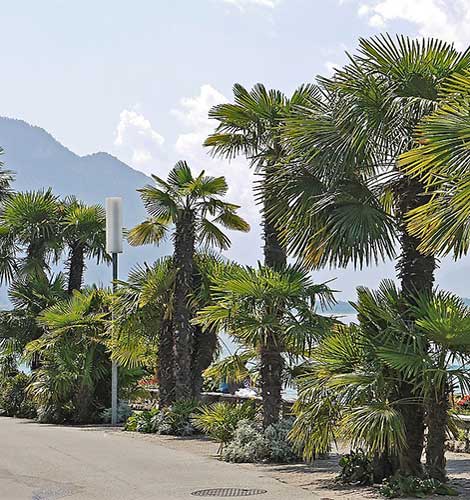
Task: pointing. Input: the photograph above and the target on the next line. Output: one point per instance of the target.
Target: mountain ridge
(39, 160)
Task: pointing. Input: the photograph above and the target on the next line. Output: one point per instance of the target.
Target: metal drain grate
(227, 492)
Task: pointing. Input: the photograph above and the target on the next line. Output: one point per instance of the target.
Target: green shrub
(250, 444)
(220, 420)
(14, 398)
(356, 468)
(174, 420)
(409, 486)
(124, 412)
(143, 421)
(280, 448)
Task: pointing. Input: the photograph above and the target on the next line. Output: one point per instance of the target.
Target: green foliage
(409, 486)
(356, 468)
(124, 412)
(220, 420)
(252, 444)
(248, 445)
(70, 383)
(167, 201)
(142, 421)
(174, 420)
(14, 398)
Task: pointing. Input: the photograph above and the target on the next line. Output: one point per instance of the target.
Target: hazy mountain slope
(39, 160)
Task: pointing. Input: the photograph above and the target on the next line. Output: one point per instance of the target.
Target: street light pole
(114, 247)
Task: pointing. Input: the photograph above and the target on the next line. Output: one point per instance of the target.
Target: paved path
(42, 462)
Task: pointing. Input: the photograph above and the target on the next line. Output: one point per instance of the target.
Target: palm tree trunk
(166, 364)
(416, 272)
(76, 266)
(183, 330)
(205, 345)
(271, 381)
(436, 419)
(270, 353)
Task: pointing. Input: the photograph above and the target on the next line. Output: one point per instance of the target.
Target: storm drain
(227, 492)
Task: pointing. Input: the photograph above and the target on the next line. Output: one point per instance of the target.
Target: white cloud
(137, 141)
(192, 113)
(242, 5)
(445, 19)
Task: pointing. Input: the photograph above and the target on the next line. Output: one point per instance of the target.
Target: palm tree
(29, 296)
(84, 232)
(144, 318)
(350, 391)
(263, 307)
(194, 206)
(75, 364)
(30, 233)
(441, 163)
(250, 126)
(347, 198)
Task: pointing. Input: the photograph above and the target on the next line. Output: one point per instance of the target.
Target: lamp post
(114, 247)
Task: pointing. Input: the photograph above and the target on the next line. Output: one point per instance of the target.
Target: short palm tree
(144, 320)
(194, 206)
(75, 360)
(261, 307)
(84, 233)
(350, 391)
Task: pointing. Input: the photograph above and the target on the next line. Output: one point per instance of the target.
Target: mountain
(40, 161)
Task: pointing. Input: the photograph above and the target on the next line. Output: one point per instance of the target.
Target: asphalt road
(44, 462)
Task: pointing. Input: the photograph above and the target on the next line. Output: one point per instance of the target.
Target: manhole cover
(227, 492)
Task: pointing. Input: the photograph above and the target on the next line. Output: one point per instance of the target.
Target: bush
(409, 486)
(124, 412)
(143, 421)
(280, 448)
(251, 444)
(356, 468)
(174, 420)
(220, 420)
(14, 398)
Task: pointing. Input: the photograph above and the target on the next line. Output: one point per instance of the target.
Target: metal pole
(114, 367)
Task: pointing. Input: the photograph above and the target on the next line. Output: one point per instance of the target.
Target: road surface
(46, 462)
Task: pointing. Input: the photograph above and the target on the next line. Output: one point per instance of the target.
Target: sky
(136, 79)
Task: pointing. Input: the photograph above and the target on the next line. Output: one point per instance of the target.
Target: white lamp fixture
(114, 225)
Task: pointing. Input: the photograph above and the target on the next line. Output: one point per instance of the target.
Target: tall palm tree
(261, 307)
(195, 207)
(84, 233)
(347, 198)
(250, 126)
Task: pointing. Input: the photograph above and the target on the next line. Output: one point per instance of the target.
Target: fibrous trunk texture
(204, 348)
(166, 364)
(182, 328)
(437, 419)
(76, 266)
(270, 353)
(416, 273)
